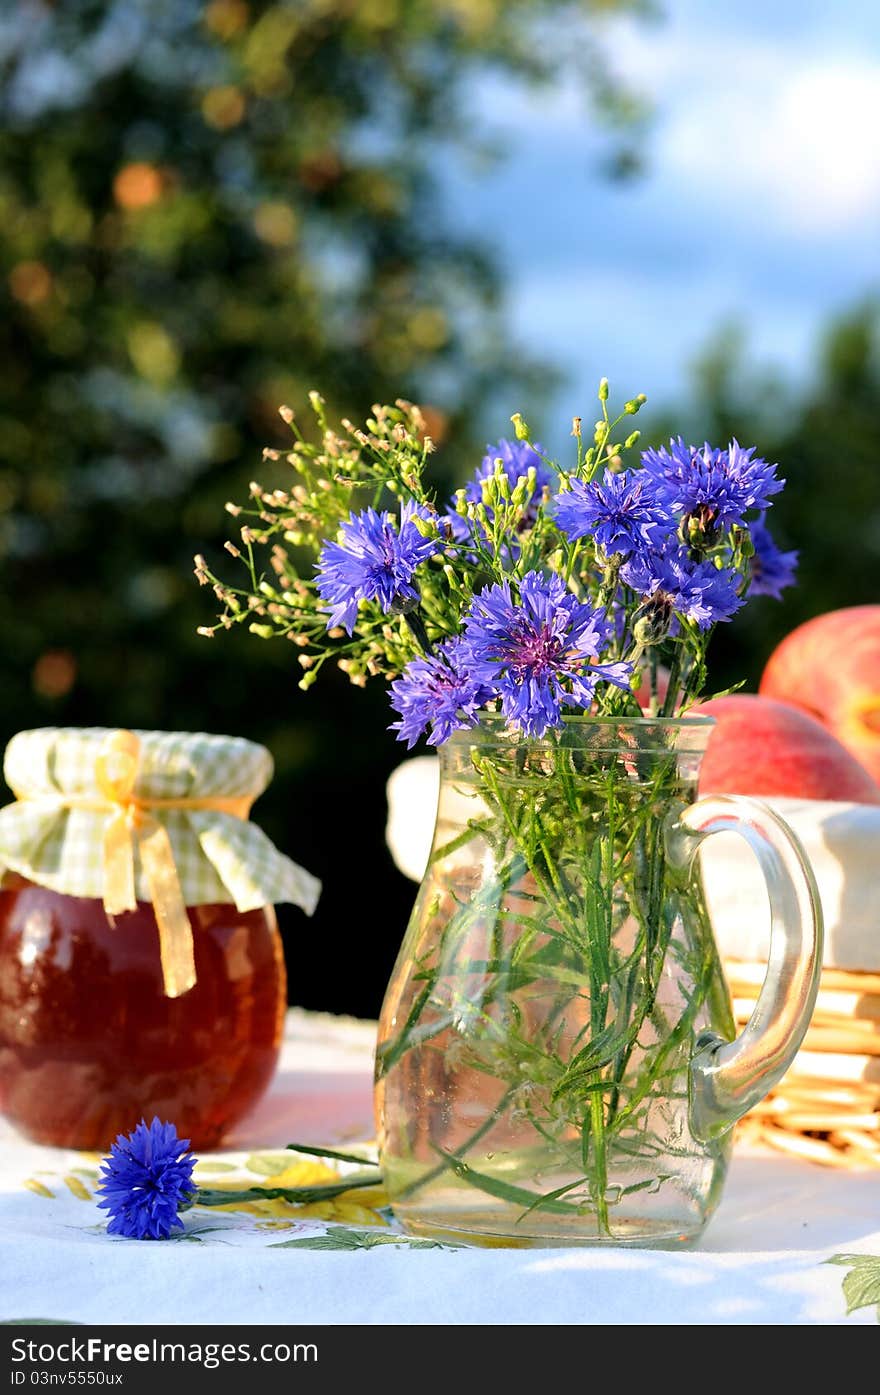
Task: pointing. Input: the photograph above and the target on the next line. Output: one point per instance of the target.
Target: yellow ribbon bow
(116, 771)
(130, 823)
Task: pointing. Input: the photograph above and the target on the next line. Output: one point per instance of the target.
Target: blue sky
(760, 204)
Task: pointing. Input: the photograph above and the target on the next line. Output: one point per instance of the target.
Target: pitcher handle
(728, 1077)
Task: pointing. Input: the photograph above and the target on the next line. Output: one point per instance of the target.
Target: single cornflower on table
(146, 1183)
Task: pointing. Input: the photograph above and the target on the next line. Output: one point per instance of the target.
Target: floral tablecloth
(763, 1258)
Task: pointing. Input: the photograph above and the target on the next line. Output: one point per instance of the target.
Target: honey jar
(141, 969)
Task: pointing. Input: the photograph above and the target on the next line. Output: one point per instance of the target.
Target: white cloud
(753, 128)
(760, 129)
(801, 148)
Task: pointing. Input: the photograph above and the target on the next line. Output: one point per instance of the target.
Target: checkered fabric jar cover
(219, 857)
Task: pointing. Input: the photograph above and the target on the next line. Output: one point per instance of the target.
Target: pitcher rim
(579, 719)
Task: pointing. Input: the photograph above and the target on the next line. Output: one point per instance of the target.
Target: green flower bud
(634, 404)
(631, 440)
(452, 577)
(263, 631)
(646, 632)
(520, 427)
(652, 620)
(525, 487)
(603, 389)
(501, 481)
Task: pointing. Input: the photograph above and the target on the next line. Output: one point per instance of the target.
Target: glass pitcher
(556, 1059)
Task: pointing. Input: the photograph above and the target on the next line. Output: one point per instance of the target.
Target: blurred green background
(209, 209)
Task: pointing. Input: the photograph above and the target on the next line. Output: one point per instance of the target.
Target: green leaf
(343, 1238)
(653, 1182)
(543, 1201)
(594, 1056)
(327, 1153)
(505, 1191)
(196, 1232)
(861, 1286)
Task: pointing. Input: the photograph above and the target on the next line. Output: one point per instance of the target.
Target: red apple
(831, 667)
(764, 747)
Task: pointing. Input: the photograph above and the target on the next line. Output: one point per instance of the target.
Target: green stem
(600, 1161)
(417, 626)
(488, 1123)
(208, 1196)
(670, 702)
(389, 1053)
(504, 1191)
(652, 679)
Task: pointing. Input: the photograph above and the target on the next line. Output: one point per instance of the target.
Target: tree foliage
(208, 210)
(827, 440)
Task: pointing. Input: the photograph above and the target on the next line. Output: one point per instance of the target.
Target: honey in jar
(91, 1038)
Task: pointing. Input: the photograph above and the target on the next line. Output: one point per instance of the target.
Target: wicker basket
(827, 1108)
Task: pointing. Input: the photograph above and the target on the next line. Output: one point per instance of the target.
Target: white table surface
(761, 1260)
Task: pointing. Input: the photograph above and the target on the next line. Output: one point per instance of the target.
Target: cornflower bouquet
(535, 591)
(546, 627)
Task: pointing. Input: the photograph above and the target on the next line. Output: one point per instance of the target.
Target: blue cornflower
(375, 561)
(517, 458)
(539, 653)
(439, 692)
(620, 511)
(770, 569)
(671, 583)
(714, 488)
(145, 1180)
